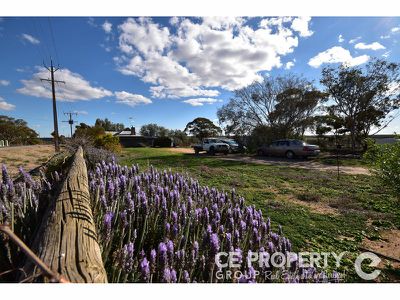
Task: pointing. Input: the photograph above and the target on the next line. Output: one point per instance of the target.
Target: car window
(296, 143)
(274, 144)
(212, 140)
(205, 141)
(283, 143)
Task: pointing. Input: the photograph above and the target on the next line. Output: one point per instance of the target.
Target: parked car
(234, 147)
(211, 146)
(289, 149)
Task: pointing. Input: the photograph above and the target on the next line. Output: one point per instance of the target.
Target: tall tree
(294, 110)
(179, 137)
(107, 125)
(153, 130)
(363, 97)
(17, 132)
(90, 132)
(285, 103)
(202, 128)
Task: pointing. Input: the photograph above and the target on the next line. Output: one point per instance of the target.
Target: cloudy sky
(170, 70)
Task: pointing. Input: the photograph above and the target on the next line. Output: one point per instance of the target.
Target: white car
(211, 146)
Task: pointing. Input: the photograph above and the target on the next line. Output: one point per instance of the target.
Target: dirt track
(308, 164)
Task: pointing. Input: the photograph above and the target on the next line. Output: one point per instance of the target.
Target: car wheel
(289, 154)
(211, 151)
(260, 153)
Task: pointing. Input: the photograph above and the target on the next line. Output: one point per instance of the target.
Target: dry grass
(28, 157)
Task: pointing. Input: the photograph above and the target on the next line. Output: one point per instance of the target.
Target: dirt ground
(387, 247)
(28, 157)
(278, 161)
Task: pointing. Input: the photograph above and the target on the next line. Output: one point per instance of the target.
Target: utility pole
(52, 70)
(70, 121)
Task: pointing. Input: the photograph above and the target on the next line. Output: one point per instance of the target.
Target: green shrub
(108, 142)
(162, 141)
(385, 159)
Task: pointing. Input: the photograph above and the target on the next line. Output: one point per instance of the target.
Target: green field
(318, 211)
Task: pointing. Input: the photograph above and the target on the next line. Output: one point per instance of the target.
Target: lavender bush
(165, 227)
(21, 202)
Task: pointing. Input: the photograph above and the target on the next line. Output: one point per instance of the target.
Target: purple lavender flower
(130, 204)
(124, 218)
(228, 237)
(196, 249)
(27, 178)
(110, 189)
(162, 254)
(126, 258)
(108, 217)
(173, 275)
(145, 269)
(153, 260)
(166, 276)
(186, 277)
(214, 244)
(170, 250)
(4, 174)
(167, 229)
(103, 201)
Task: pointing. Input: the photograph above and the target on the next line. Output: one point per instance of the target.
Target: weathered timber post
(67, 239)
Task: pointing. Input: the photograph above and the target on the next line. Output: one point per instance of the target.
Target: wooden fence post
(67, 239)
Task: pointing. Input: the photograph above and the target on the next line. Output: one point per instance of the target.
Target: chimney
(133, 131)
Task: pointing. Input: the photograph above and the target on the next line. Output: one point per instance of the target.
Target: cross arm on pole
(49, 80)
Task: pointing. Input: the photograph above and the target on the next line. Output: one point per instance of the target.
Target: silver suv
(289, 149)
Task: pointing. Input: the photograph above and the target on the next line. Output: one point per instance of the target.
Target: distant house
(128, 138)
(385, 138)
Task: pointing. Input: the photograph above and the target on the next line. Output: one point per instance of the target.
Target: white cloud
(384, 37)
(203, 55)
(30, 39)
(91, 21)
(76, 87)
(395, 29)
(144, 35)
(6, 106)
(81, 112)
(373, 46)
(201, 101)
(301, 24)
(337, 54)
(4, 82)
(340, 38)
(107, 27)
(131, 99)
(352, 41)
(289, 65)
(386, 54)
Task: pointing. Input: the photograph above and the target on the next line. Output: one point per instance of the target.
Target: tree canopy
(107, 125)
(17, 132)
(362, 97)
(153, 130)
(202, 128)
(284, 103)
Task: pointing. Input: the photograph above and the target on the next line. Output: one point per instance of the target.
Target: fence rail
(67, 240)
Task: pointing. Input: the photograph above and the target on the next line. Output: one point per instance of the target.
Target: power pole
(52, 70)
(70, 121)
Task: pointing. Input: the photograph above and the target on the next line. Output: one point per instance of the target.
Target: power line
(53, 39)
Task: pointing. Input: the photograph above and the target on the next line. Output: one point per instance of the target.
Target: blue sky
(170, 70)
